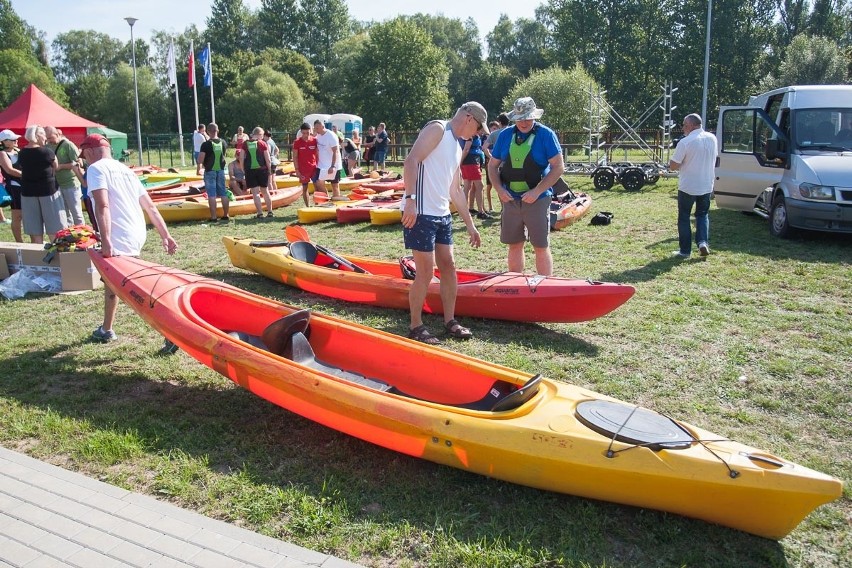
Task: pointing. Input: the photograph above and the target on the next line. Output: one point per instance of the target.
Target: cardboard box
(75, 268)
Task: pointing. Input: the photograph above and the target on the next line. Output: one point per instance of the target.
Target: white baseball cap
(8, 135)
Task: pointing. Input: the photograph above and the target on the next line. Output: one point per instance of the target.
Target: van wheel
(779, 225)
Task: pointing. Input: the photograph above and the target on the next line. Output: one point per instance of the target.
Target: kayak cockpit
(288, 338)
(359, 355)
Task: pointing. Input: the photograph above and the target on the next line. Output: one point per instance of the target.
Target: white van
(787, 156)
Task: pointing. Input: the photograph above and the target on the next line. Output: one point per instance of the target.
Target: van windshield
(823, 128)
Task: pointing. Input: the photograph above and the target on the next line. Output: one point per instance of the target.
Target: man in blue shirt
(526, 160)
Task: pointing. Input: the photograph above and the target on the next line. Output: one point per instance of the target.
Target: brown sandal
(457, 330)
(421, 334)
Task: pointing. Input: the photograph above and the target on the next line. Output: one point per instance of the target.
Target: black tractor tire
(603, 178)
(632, 179)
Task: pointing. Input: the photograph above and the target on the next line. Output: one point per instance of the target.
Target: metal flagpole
(209, 71)
(192, 77)
(706, 65)
(173, 81)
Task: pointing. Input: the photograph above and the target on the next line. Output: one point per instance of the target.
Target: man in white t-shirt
(199, 137)
(329, 160)
(695, 159)
(119, 199)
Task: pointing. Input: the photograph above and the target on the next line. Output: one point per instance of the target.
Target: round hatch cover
(633, 425)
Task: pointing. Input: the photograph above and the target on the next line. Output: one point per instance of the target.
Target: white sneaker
(704, 249)
(678, 254)
(104, 335)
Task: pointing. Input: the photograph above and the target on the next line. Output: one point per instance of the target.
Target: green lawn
(754, 343)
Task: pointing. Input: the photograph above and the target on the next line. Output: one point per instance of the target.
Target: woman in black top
(41, 203)
(12, 178)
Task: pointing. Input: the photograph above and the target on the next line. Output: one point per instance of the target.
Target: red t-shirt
(307, 155)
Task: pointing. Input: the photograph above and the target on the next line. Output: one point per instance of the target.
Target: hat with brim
(477, 111)
(8, 135)
(525, 109)
(94, 141)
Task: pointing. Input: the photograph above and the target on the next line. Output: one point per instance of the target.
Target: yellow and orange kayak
(508, 295)
(463, 412)
(197, 208)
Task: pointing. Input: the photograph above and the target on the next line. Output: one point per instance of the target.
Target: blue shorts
(214, 183)
(427, 231)
(379, 156)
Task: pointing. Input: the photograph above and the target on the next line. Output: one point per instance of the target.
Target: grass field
(754, 343)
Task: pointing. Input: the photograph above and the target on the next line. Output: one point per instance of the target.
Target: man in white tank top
(431, 174)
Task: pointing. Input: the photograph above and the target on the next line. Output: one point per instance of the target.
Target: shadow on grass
(749, 234)
(263, 446)
(508, 332)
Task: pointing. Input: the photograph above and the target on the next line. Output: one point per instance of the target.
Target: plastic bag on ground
(23, 281)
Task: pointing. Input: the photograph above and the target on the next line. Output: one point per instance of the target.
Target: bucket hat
(525, 109)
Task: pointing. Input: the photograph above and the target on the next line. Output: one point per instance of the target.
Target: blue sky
(107, 16)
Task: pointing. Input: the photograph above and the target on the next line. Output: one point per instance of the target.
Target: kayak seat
(503, 396)
(252, 340)
(310, 253)
(302, 353)
(304, 251)
(409, 269)
(278, 336)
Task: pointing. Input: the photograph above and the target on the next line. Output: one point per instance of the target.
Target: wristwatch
(412, 196)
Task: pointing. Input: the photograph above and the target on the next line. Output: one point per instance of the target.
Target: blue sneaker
(104, 335)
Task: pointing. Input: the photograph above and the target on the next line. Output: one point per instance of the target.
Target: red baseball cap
(93, 141)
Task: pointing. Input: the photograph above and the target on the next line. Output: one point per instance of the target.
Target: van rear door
(753, 153)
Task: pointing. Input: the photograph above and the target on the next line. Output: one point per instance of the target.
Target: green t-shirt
(66, 152)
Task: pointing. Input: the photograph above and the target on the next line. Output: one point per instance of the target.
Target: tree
(264, 98)
(522, 46)
(403, 86)
(277, 20)
(228, 26)
(489, 84)
(321, 24)
(562, 94)
(13, 29)
(80, 53)
(811, 61)
(119, 106)
(293, 64)
(462, 50)
(18, 69)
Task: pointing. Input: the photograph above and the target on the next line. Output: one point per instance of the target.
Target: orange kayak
(463, 412)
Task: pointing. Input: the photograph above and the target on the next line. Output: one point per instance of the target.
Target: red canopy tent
(34, 107)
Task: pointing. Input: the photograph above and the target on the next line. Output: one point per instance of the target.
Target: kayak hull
(507, 296)
(198, 209)
(565, 214)
(538, 440)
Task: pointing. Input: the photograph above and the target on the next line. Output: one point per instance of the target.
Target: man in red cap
(119, 199)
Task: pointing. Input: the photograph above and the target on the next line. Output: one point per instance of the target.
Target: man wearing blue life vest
(526, 160)
(211, 157)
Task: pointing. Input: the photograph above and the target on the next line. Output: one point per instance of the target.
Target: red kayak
(507, 295)
(361, 213)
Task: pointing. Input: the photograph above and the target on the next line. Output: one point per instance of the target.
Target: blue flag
(206, 66)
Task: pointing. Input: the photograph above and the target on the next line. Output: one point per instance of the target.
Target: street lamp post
(132, 21)
(706, 65)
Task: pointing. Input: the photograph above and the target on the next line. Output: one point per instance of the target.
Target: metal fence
(164, 149)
